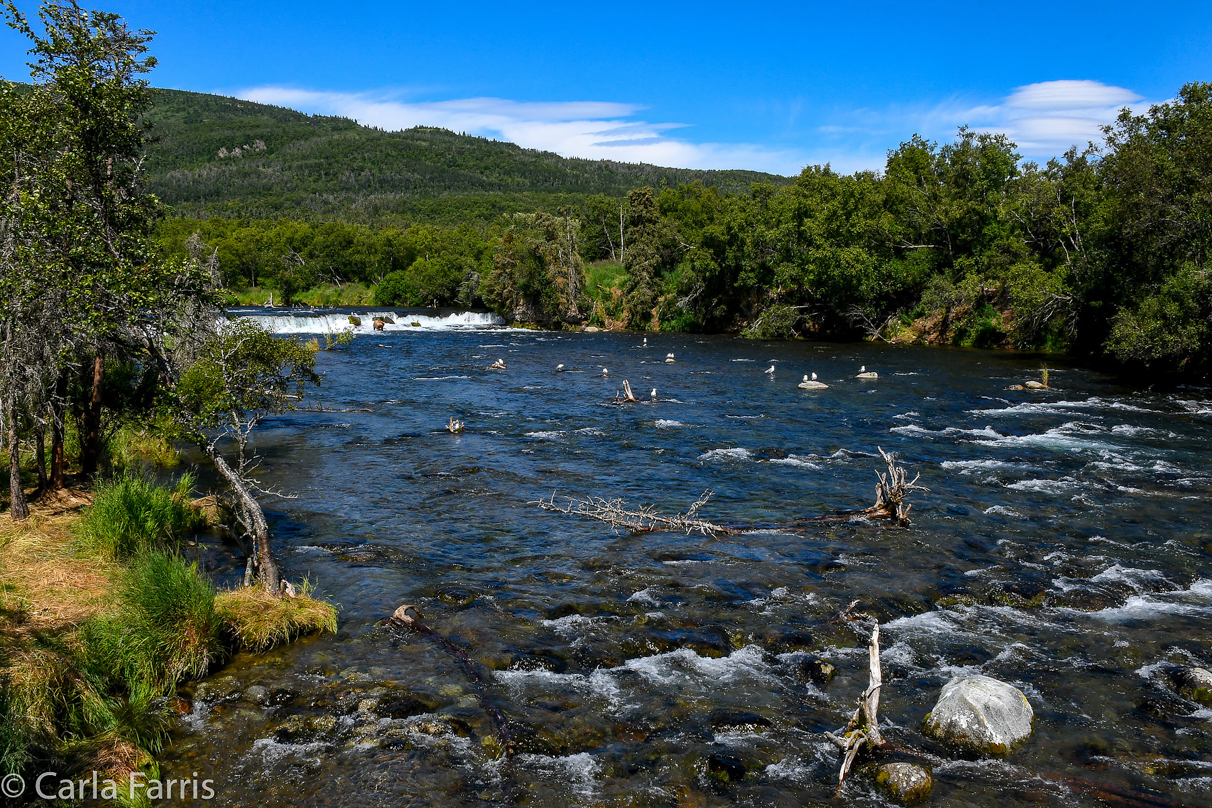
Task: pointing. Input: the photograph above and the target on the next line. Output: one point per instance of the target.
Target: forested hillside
(1102, 251)
(217, 156)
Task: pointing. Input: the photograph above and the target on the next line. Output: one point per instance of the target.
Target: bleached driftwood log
(638, 519)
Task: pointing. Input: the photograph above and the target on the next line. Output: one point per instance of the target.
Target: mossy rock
(904, 782)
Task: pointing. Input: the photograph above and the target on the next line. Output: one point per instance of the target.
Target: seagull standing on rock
(653, 394)
(812, 384)
(866, 374)
(559, 367)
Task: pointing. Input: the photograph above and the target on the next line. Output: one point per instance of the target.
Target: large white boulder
(981, 714)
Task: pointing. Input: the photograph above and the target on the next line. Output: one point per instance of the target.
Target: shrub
(776, 322)
(131, 514)
(167, 631)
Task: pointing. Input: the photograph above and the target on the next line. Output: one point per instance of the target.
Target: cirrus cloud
(597, 130)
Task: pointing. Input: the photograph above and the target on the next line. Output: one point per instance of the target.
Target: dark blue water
(1062, 547)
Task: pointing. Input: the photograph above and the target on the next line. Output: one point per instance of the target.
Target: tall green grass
(167, 630)
(131, 514)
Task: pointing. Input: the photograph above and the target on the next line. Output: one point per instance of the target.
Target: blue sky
(771, 86)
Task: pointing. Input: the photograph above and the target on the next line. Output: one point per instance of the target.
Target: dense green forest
(1102, 251)
(217, 156)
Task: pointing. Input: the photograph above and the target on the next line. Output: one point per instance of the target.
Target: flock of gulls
(807, 384)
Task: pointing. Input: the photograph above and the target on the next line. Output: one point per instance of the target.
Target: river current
(1063, 547)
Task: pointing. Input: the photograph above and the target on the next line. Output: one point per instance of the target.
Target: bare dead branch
(638, 519)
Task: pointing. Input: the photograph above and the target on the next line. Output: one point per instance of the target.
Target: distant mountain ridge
(219, 156)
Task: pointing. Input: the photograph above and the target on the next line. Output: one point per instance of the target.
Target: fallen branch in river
(330, 409)
(891, 495)
(641, 519)
(408, 617)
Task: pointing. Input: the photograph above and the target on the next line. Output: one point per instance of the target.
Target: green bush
(776, 322)
(167, 631)
(396, 289)
(131, 514)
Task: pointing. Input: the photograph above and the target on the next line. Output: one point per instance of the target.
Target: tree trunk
(19, 508)
(40, 453)
(267, 567)
(58, 432)
(90, 450)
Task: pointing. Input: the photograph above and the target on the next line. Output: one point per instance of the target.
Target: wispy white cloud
(1046, 118)
(1043, 119)
(599, 130)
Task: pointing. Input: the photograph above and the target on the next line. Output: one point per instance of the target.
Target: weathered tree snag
(58, 432)
(409, 617)
(40, 453)
(627, 396)
(90, 441)
(863, 731)
(18, 507)
(255, 524)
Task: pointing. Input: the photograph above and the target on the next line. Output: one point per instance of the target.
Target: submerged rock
(904, 782)
(726, 768)
(818, 670)
(982, 715)
(728, 720)
(1194, 683)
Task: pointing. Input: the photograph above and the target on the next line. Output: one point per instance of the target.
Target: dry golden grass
(260, 622)
(43, 579)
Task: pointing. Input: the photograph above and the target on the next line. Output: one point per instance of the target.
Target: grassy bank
(102, 616)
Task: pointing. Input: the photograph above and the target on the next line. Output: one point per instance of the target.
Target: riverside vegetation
(113, 357)
(1101, 251)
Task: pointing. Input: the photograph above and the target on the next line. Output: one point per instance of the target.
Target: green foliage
(131, 514)
(538, 274)
(226, 157)
(777, 322)
(1170, 325)
(243, 371)
(167, 631)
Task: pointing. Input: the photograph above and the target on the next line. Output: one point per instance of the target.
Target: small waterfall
(326, 322)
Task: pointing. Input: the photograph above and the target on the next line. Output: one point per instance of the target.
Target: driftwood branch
(637, 519)
(862, 731)
(893, 490)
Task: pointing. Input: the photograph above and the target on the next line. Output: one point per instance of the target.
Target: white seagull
(770, 371)
(560, 366)
(653, 394)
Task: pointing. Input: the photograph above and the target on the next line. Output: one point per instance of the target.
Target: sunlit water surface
(1062, 547)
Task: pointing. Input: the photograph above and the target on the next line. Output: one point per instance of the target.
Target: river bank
(106, 608)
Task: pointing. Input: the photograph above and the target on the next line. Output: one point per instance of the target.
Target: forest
(1100, 252)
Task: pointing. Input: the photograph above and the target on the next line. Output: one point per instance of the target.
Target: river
(1063, 547)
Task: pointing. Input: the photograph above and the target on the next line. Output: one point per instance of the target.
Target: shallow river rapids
(1063, 547)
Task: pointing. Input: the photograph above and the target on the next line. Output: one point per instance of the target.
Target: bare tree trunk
(40, 453)
(58, 419)
(267, 567)
(90, 449)
(19, 508)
